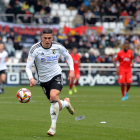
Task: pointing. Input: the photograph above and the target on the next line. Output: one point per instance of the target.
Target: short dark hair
(47, 31)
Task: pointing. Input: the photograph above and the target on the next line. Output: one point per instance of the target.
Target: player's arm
(69, 60)
(29, 64)
(115, 63)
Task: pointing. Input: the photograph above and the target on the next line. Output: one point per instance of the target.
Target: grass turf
(19, 121)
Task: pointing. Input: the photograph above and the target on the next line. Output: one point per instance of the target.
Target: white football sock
(64, 103)
(2, 85)
(54, 111)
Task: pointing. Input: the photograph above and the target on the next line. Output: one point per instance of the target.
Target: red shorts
(125, 77)
(77, 74)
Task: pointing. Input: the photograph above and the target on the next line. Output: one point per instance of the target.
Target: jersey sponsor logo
(126, 59)
(49, 58)
(53, 51)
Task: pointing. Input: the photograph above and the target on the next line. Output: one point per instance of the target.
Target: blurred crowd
(34, 7)
(99, 48)
(89, 10)
(94, 47)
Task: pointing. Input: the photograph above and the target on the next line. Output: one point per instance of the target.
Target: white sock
(54, 111)
(2, 85)
(64, 103)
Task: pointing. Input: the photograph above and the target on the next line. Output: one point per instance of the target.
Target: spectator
(71, 4)
(85, 37)
(136, 39)
(102, 13)
(101, 50)
(9, 10)
(84, 59)
(124, 13)
(92, 58)
(138, 16)
(31, 9)
(9, 47)
(121, 38)
(17, 7)
(24, 55)
(4, 36)
(113, 8)
(92, 20)
(48, 9)
(47, 20)
(69, 35)
(38, 6)
(109, 51)
(66, 44)
(73, 43)
(77, 37)
(86, 2)
(137, 50)
(107, 4)
(12, 35)
(55, 35)
(94, 50)
(61, 37)
(91, 6)
(81, 11)
(25, 5)
(56, 19)
(77, 21)
(17, 46)
(38, 36)
(112, 42)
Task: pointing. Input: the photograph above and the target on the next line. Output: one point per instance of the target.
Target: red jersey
(76, 60)
(125, 59)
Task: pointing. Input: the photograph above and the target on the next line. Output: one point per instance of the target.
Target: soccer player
(124, 57)
(3, 67)
(76, 59)
(45, 55)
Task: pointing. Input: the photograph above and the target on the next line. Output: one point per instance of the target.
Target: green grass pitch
(30, 121)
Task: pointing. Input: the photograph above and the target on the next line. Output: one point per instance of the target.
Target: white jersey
(46, 60)
(3, 56)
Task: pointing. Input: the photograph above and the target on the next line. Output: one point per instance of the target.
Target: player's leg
(75, 84)
(121, 81)
(70, 88)
(3, 80)
(128, 81)
(0, 84)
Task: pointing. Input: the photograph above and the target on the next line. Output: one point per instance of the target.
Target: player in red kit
(76, 59)
(125, 58)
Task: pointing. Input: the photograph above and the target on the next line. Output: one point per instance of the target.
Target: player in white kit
(3, 67)
(45, 55)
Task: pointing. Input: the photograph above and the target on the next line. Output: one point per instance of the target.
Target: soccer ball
(24, 95)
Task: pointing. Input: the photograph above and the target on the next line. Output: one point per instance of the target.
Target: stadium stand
(93, 46)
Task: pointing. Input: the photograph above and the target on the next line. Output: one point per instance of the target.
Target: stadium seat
(98, 24)
(55, 6)
(112, 25)
(120, 25)
(71, 18)
(63, 6)
(18, 54)
(53, 12)
(64, 18)
(67, 13)
(62, 24)
(106, 25)
(73, 12)
(60, 13)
